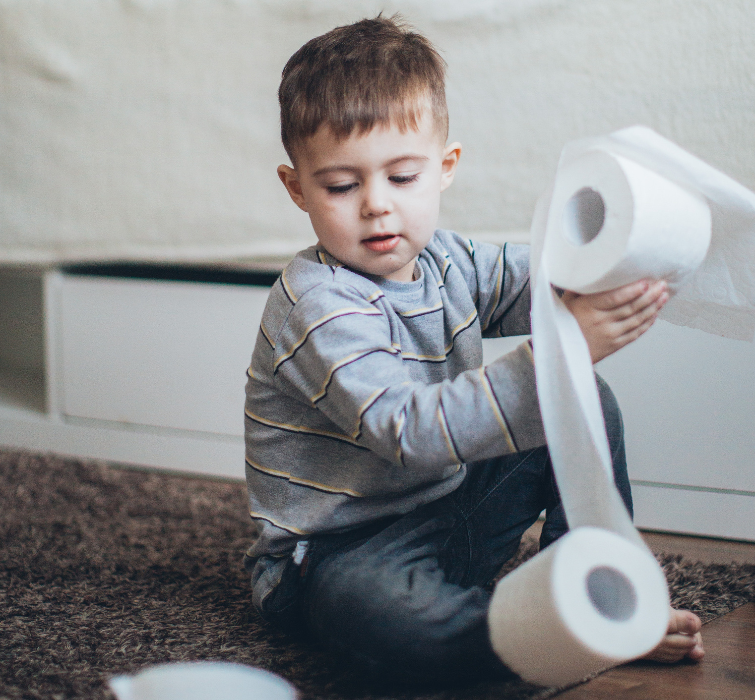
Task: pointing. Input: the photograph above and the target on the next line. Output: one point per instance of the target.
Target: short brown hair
(375, 71)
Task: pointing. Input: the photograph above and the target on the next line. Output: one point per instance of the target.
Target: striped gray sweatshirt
(366, 397)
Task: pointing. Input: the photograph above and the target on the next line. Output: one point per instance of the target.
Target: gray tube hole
(583, 216)
(611, 593)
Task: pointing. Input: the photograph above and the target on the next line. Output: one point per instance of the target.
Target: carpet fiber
(104, 571)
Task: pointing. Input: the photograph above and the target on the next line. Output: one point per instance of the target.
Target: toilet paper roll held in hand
(719, 297)
(620, 222)
(590, 601)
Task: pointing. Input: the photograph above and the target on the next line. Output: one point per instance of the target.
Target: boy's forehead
(327, 141)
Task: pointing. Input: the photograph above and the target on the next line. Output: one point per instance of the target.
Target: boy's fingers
(628, 300)
(632, 327)
(642, 316)
(616, 298)
(635, 332)
(652, 299)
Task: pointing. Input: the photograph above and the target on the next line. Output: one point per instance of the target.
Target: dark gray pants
(407, 599)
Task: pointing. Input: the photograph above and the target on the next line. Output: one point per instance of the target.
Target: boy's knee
(364, 597)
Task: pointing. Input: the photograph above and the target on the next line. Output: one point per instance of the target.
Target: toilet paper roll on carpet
(624, 207)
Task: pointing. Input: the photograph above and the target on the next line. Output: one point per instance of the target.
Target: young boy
(390, 475)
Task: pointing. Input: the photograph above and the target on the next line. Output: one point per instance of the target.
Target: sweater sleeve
(335, 352)
(499, 280)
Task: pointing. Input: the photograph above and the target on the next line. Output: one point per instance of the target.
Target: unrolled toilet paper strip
(638, 225)
(589, 601)
(622, 208)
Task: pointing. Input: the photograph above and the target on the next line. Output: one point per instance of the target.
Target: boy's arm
(499, 280)
(335, 353)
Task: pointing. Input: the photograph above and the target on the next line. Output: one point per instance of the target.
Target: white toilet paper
(719, 297)
(202, 680)
(624, 207)
(621, 222)
(599, 600)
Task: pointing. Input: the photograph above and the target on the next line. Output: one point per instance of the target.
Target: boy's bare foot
(683, 639)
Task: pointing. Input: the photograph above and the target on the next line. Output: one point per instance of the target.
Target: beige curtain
(148, 129)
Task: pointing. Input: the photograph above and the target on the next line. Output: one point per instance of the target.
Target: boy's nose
(375, 201)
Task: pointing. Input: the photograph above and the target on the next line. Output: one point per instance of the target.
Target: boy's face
(373, 198)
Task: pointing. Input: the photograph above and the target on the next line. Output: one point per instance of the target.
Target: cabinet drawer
(157, 353)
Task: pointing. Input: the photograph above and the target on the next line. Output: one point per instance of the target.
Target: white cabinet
(688, 403)
(151, 372)
(157, 353)
(690, 407)
(688, 400)
(134, 364)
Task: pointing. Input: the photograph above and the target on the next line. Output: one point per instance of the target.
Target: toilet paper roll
(617, 222)
(719, 297)
(202, 680)
(608, 220)
(590, 601)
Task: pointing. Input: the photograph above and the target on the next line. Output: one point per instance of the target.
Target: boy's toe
(697, 652)
(684, 622)
(683, 639)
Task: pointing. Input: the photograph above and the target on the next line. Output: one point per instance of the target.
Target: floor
(728, 672)
(705, 549)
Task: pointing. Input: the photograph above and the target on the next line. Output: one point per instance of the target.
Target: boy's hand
(610, 320)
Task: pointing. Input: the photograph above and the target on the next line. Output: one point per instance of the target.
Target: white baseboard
(661, 507)
(141, 446)
(694, 511)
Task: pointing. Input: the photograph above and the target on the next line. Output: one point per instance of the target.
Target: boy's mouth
(382, 242)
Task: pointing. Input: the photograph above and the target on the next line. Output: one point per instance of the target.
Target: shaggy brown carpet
(106, 570)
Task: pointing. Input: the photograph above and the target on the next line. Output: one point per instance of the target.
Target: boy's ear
(290, 179)
(451, 155)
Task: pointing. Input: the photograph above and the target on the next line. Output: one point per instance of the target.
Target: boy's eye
(403, 179)
(341, 189)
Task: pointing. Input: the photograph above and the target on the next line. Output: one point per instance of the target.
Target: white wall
(149, 128)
